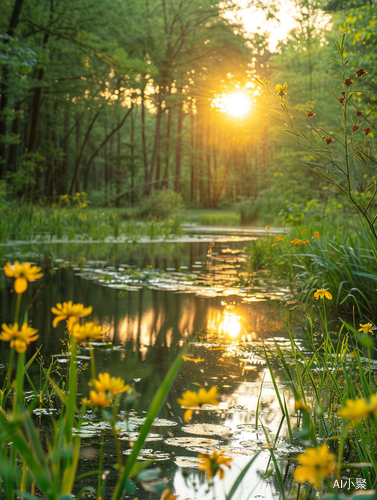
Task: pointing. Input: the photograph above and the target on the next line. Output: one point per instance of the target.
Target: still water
(152, 298)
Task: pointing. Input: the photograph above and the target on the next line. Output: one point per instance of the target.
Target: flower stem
(8, 378)
(69, 418)
(92, 363)
(19, 383)
(18, 305)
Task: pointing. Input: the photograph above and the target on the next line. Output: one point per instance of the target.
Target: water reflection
(147, 326)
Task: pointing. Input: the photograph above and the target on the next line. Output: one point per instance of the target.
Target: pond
(152, 298)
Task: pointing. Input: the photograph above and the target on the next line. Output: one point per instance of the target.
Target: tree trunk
(192, 144)
(178, 155)
(79, 152)
(35, 105)
(208, 165)
(4, 91)
(143, 141)
(132, 138)
(167, 149)
(16, 131)
(118, 172)
(106, 139)
(156, 145)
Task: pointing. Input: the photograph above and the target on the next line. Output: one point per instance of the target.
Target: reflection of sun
(235, 103)
(230, 325)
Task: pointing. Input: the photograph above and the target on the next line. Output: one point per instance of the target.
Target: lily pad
(207, 430)
(186, 442)
(192, 462)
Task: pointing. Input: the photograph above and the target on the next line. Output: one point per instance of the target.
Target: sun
(235, 103)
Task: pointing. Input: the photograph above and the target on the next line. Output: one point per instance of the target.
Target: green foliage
(161, 205)
(316, 256)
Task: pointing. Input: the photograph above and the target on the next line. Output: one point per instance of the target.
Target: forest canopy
(123, 99)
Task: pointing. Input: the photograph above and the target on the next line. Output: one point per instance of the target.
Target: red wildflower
(341, 99)
(347, 82)
(354, 128)
(361, 72)
(309, 114)
(328, 140)
(367, 130)
(343, 94)
(359, 113)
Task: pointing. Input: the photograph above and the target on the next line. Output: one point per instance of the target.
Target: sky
(254, 20)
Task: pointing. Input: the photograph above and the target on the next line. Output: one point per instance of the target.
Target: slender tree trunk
(192, 144)
(106, 159)
(199, 147)
(15, 132)
(132, 138)
(215, 181)
(4, 90)
(158, 168)
(118, 172)
(76, 176)
(208, 165)
(143, 140)
(79, 153)
(35, 105)
(156, 146)
(167, 149)
(178, 155)
(63, 178)
(106, 139)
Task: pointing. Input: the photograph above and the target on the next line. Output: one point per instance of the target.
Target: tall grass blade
(153, 411)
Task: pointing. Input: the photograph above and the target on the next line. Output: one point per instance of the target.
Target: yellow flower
(316, 463)
(281, 90)
(273, 245)
(279, 238)
(319, 294)
(113, 385)
(366, 328)
(167, 496)
(87, 331)
(19, 339)
(97, 399)
(356, 410)
(22, 273)
(69, 311)
(268, 227)
(316, 235)
(212, 463)
(300, 405)
(303, 231)
(198, 399)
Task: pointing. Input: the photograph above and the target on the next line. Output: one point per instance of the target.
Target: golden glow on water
(230, 325)
(236, 103)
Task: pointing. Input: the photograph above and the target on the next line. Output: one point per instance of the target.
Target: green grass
(212, 217)
(342, 261)
(45, 224)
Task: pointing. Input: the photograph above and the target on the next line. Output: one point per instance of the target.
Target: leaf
(129, 487)
(26, 495)
(149, 474)
(337, 71)
(140, 466)
(155, 486)
(365, 341)
(82, 491)
(292, 132)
